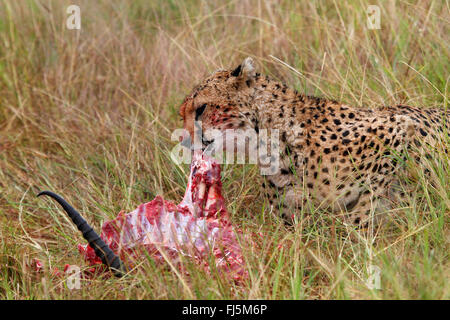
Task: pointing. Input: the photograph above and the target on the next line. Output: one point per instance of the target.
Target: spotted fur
(337, 156)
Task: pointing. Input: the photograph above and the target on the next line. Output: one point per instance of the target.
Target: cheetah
(339, 157)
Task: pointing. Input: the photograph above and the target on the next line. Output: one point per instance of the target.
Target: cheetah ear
(245, 70)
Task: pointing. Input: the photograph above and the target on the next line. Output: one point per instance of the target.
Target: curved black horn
(102, 250)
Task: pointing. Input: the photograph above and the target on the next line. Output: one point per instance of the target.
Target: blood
(195, 228)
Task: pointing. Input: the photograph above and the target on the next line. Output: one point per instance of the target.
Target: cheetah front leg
(370, 213)
(285, 201)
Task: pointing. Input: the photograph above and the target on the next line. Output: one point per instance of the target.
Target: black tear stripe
(199, 111)
(102, 250)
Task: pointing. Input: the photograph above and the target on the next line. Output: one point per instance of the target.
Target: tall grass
(89, 114)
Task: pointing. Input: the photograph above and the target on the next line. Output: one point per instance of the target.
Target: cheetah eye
(200, 111)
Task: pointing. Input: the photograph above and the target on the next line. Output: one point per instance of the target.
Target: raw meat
(198, 227)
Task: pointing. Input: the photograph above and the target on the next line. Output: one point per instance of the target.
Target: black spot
(272, 185)
(423, 132)
(287, 150)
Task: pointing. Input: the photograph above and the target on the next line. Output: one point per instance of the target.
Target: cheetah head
(222, 101)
